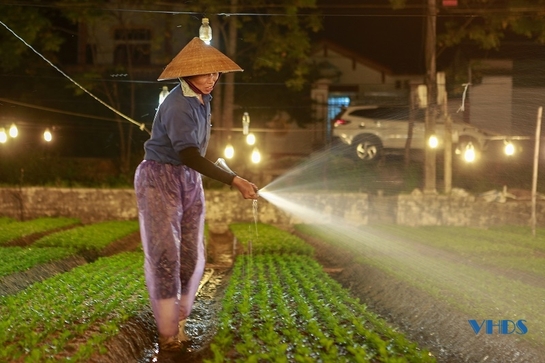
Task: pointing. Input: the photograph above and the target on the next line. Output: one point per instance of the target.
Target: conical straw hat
(198, 58)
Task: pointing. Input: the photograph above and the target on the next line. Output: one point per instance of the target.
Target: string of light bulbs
(141, 126)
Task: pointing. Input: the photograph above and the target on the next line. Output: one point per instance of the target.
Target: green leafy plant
(89, 237)
(283, 307)
(17, 259)
(10, 230)
(263, 238)
(62, 318)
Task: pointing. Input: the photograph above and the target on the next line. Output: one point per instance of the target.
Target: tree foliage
(33, 24)
(487, 22)
(272, 42)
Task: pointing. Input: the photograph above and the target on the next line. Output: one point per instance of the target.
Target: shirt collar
(188, 92)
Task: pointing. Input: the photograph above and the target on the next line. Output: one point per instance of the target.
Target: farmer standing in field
(169, 190)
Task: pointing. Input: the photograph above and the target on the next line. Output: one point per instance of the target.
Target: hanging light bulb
(13, 132)
(250, 139)
(47, 135)
(205, 31)
(3, 135)
(256, 156)
(433, 141)
(509, 148)
(229, 151)
(469, 153)
(164, 93)
(245, 123)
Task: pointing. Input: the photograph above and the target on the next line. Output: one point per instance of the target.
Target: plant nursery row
(279, 304)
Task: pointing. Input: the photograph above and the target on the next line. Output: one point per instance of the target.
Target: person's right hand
(246, 188)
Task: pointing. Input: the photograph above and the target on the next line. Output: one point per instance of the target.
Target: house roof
(325, 44)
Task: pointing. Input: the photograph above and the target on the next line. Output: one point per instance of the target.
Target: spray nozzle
(222, 164)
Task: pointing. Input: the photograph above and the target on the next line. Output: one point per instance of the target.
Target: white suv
(373, 130)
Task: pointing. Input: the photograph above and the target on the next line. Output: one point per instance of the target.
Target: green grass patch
(18, 259)
(10, 230)
(507, 247)
(93, 237)
(69, 317)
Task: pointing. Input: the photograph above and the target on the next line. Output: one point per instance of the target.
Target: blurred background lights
(229, 151)
(256, 156)
(245, 123)
(3, 135)
(469, 153)
(509, 149)
(250, 139)
(13, 131)
(47, 135)
(433, 141)
(164, 93)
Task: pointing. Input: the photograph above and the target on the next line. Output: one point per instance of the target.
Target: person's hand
(246, 188)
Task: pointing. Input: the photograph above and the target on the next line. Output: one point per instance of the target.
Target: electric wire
(349, 10)
(141, 126)
(55, 110)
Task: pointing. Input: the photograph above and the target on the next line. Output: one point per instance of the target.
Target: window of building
(335, 104)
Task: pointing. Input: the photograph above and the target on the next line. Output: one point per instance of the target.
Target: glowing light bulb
(229, 151)
(433, 141)
(47, 135)
(256, 156)
(3, 136)
(13, 132)
(205, 31)
(245, 123)
(250, 139)
(509, 149)
(164, 93)
(469, 153)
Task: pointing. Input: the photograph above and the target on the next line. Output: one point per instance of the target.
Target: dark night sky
(394, 38)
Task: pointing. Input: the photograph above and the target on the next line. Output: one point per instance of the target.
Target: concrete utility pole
(431, 110)
(447, 139)
(533, 219)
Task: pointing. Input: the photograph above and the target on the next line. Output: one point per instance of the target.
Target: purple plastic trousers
(171, 211)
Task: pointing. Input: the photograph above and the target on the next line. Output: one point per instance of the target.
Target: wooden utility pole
(431, 110)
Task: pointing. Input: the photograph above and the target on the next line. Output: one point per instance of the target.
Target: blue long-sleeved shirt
(180, 122)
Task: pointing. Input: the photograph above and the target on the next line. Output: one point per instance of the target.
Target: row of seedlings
(281, 306)
(70, 315)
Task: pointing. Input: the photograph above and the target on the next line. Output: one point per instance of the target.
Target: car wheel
(367, 148)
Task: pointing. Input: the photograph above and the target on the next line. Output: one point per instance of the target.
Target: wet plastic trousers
(171, 212)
